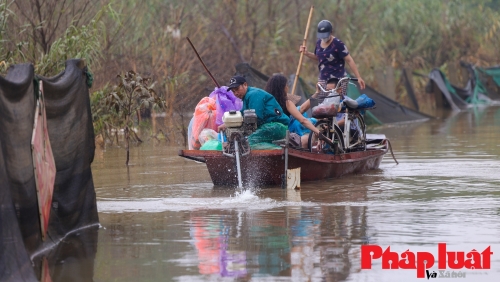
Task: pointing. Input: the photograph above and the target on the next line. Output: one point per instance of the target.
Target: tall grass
(115, 36)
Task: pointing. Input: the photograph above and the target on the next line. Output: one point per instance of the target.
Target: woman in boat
(331, 55)
(278, 87)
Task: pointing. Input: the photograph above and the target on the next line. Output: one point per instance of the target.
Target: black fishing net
(71, 133)
(17, 180)
(386, 111)
(482, 87)
(257, 79)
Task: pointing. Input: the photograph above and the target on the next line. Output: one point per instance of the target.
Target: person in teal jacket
(272, 122)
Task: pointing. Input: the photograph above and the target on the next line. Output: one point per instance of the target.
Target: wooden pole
(196, 52)
(302, 54)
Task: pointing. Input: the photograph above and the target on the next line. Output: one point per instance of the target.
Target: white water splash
(245, 199)
(244, 196)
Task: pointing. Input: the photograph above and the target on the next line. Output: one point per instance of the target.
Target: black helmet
(325, 28)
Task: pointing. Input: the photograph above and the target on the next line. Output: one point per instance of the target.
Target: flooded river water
(163, 220)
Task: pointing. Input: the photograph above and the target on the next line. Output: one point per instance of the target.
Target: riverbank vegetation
(148, 37)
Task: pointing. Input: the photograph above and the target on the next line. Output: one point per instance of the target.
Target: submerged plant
(132, 94)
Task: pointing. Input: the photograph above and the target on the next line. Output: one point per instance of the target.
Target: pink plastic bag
(324, 111)
(226, 101)
(204, 117)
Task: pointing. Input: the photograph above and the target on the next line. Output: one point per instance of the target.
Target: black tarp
(71, 135)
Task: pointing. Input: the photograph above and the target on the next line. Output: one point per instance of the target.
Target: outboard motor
(238, 128)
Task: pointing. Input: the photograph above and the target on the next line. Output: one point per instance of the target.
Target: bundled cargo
(225, 102)
(204, 117)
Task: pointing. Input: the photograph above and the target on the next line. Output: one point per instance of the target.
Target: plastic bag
(204, 117)
(212, 145)
(190, 133)
(225, 102)
(327, 108)
(324, 110)
(207, 134)
(365, 102)
(332, 100)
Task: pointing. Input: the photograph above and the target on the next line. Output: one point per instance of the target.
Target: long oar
(209, 73)
(302, 54)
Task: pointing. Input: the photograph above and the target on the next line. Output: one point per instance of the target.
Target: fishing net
(494, 72)
(387, 110)
(71, 134)
(268, 133)
(482, 87)
(17, 191)
(265, 146)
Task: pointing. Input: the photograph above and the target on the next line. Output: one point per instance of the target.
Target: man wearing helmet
(331, 55)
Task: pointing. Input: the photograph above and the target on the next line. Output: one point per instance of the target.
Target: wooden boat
(265, 167)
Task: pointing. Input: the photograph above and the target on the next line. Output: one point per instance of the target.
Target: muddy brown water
(163, 220)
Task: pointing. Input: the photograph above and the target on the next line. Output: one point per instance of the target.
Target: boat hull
(266, 167)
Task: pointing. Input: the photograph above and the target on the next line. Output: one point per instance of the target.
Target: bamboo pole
(209, 73)
(302, 53)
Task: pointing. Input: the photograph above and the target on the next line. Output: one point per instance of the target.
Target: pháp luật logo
(423, 261)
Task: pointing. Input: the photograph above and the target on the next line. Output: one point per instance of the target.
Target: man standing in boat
(331, 55)
(272, 123)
